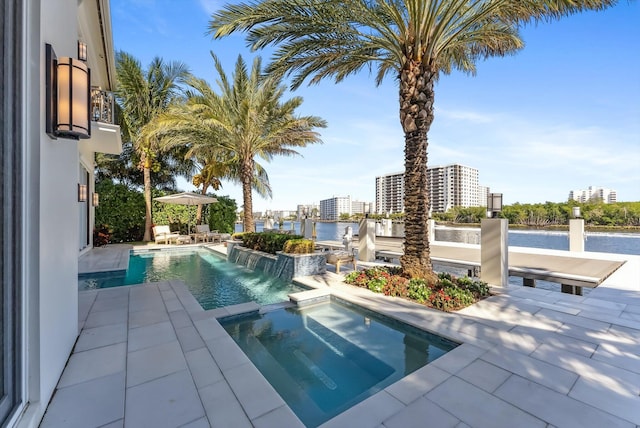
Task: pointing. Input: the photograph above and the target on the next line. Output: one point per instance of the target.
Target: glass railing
(103, 106)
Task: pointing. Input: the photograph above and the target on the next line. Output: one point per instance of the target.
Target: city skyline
(561, 114)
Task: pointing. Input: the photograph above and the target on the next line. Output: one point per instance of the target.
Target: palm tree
(247, 120)
(142, 95)
(412, 40)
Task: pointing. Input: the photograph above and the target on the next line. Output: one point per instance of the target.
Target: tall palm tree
(247, 120)
(414, 41)
(142, 95)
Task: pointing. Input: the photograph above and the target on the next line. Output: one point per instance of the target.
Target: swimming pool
(325, 358)
(211, 279)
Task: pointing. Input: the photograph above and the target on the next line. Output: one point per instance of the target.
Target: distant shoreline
(558, 227)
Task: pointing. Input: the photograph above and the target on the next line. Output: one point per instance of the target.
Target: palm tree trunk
(199, 213)
(147, 202)
(247, 180)
(416, 116)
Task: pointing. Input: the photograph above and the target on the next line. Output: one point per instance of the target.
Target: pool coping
(519, 348)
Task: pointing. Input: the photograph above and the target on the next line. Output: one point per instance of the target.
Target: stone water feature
(281, 265)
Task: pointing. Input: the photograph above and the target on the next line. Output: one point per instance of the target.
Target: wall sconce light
(494, 204)
(82, 51)
(96, 199)
(68, 96)
(82, 192)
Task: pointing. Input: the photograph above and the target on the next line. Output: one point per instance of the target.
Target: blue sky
(562, 114)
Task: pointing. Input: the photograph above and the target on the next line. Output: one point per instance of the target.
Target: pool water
(328, 357)
(212, 280)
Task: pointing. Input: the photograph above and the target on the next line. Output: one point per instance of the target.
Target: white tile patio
(148, 355)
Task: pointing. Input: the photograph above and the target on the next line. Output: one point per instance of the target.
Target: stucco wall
(58, 243)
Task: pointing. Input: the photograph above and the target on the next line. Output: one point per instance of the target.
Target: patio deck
(150, 356)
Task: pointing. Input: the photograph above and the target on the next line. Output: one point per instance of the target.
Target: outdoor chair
(204, 233)
(340, 256)
(163, 233)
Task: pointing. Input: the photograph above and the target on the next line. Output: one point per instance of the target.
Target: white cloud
(210, 6)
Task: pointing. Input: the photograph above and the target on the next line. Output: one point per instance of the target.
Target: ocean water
(604, 242)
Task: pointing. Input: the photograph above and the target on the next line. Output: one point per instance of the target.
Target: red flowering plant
(449, 293)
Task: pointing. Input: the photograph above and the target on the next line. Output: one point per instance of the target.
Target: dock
(573, 270)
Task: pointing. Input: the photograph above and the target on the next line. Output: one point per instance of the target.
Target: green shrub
(298, 246)
(358, 278)
(268, 242)
(238, 235)
(461, 297)
(396, 286)
(477, 288)
(418, 290)
(448, 294)
(377, 284)
(222, 214)
(121, 212)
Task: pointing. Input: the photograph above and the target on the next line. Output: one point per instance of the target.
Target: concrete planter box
(294, 265)
(282, 265)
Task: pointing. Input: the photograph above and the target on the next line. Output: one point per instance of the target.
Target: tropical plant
(209, 176)
(120, 213)
(123, 168)
(247, 120)
(222, 214)
(414, 41)
(269, 242)
(447, 293)
(141, 96)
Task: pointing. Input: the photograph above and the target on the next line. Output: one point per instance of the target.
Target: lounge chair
(203, 232)
(163, 233)
(340, 256)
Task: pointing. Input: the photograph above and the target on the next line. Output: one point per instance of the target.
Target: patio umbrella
(187, 198)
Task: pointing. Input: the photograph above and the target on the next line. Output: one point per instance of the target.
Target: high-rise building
(483, 194)
(452, 186)
(308, 211)
(449, 186)
(330, 209)
(390, 193)
(359, 207)
(608, 196)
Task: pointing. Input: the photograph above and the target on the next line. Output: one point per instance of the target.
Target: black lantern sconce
(68, 95)
(575, 211)
(96, 199)
(494, 204)
(82, 192)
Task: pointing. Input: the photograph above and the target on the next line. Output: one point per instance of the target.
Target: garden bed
(448, 294)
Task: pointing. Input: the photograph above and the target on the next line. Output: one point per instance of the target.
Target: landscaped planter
(282, 265)
(293, 265)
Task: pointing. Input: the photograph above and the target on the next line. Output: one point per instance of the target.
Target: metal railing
(103, 106)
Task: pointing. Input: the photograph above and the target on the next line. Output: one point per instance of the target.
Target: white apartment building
(330, 209)
(449, 186)
(608, 196)
(390, 193)
(483, 194)
(452, 186)
(309, 210)
(359, 207)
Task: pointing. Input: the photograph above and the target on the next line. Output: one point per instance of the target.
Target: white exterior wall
(58, 217)
(50, 210)
(50, 321)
